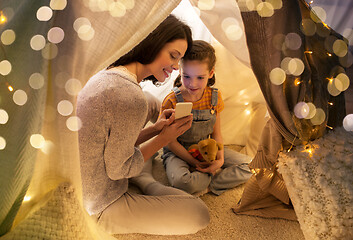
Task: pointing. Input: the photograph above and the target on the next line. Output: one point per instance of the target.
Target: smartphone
(183, 109)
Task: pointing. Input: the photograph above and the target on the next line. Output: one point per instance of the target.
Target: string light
(310, 52)
(3, 18)
(311, 2)
(329, 54)
(329, 127)
(292, 144)
(330, 103)
(297, 81)
(330, 79)
(27, 198)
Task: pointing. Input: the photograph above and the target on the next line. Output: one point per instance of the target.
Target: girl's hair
(200, 51)
(146, 51)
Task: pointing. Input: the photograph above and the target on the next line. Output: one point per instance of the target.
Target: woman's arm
(168, 134)
(153, 130)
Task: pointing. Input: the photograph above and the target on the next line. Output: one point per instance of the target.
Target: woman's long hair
(146, 51)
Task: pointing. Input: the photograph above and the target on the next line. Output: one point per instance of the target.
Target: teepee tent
(49, 49)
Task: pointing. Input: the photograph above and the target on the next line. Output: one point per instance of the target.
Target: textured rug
(224, 223)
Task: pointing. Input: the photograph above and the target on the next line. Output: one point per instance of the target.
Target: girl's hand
(166, 118)
(212, 168)
(176, 128)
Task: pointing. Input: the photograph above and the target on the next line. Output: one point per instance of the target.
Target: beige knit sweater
(113, 109)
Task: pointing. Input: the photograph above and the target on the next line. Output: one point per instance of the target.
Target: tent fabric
(41, 134)
(284, 129)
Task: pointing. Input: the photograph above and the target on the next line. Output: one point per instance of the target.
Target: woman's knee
(200, 214)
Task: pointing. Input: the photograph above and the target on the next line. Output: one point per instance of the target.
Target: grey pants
(235, 171)
(165, 211)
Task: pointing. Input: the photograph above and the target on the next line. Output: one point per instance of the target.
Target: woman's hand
(166, 118)
(212, 168)
(176, 128)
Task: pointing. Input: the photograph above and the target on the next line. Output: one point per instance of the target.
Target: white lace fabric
(319, 179)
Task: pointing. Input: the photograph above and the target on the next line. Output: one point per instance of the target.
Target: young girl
(194, 85)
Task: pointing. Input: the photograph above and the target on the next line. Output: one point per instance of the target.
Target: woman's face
(168, 59)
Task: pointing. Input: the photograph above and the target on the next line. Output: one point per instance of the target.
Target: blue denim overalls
(234, 170)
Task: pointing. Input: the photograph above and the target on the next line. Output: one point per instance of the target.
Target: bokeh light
(312, 110)
(20, 97)
(37, 42)
(48, 147)
(301, 110)
(65, 107)
(295, 66)
(344, 82)
(37, 141)
(293, 41)
(308, 27)
(252, 4)
(2, 143)
(348, 34)
(86, 33)
(232, 28)
(73, 86)
(319, 117)
(44, 14)
(5, 67)
(206, 4)
(265, 9)
(320, 12)
(285, 64)
(276, 4)
(4, 117)
(74, 123)
(117, 9)
(347, 60)
(36, 81)
(340, 48)
(348, 123)
(56, 35)
(50, 51)
(79, 22)
(277, 76)
(58, 4)
(8, 37)
(332, 89)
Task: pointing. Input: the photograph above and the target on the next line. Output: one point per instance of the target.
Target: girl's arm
(216, 135)
(182, 153)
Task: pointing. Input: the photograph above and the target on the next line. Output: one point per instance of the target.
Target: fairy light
(3, 18)
(247, 112)
(329, 54)
(27, 198)
(311, 2)
(330, 79)
(326, 26)
(310, 52)
(329, 127)
(330, 103)
(297, 81)
(291, 146)
(309, 149)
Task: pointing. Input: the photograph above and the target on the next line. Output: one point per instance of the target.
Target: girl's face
(194, 77)
(168, 59)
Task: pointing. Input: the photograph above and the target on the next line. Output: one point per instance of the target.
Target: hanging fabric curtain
(275, 42)
(57, 45)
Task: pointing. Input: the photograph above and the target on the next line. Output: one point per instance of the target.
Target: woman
(113, 110)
